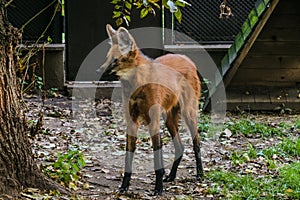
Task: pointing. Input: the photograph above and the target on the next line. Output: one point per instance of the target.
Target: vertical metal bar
(172, 35)
(163, 25)
(64, 22)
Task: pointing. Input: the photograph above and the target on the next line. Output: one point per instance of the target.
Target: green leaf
(81, 162)
(116, 14)
(128, 17)
(66, 166)
(154, 2)
(119, 21)
(117, 7)
(178, 15)
(66, 178)
(178, 3)
(128, 5)
(75, 168)
(138, 5)
(144, 13)
(49, 39)
(115, 1)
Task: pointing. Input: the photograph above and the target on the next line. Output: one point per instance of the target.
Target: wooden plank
(268, 75)
(278, 96)
(276, 48)
(250, 42)
(293, 95)
(234, 96)
(266, 98)
(288, 7)
(263, 83)
(279, 34)
(289, 21)
(248, 97)
(271, 62)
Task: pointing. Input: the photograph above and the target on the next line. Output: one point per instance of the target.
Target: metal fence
(20, 12)
(201, 21)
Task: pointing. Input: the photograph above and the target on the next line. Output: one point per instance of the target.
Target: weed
(282, 109)
(52, 92)
(106, 132)
(66, 168)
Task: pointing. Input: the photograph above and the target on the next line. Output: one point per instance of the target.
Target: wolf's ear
(126, 42)
(111, 33)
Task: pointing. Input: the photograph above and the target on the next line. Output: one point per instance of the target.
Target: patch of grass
(297, 124)
(289, 179)
(239, 157)
(236, 186)
(250, 128)
(290, 147)
(287, 148)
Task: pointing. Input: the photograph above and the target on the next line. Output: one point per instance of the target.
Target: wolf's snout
(108, 66)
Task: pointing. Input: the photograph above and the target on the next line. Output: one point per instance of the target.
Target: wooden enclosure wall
(274, 59)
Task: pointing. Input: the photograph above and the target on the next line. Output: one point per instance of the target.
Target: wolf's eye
(124, 60)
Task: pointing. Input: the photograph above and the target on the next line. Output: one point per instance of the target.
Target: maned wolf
(167, 86)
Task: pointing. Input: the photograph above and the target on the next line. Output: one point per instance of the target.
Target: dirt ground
(98, 130)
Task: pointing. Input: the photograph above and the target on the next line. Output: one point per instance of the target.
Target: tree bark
(18, 169)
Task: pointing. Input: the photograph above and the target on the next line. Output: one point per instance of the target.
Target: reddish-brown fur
(168, 85)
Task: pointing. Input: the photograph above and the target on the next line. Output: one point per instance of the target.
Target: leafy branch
(122, 8)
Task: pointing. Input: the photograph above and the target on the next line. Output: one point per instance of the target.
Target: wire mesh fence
(20, 12)
(201, 21)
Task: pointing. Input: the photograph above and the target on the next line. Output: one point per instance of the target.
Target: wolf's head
(123, 50)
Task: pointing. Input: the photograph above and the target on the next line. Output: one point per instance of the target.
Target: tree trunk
(17, 166)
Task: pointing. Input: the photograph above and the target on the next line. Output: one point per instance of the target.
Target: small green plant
(282, 109)
(144, 137)
(250, 128)
(35, 84)
(38, 82)
(106, 132)
(52, 92)
(239, 157)
(66, 168)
